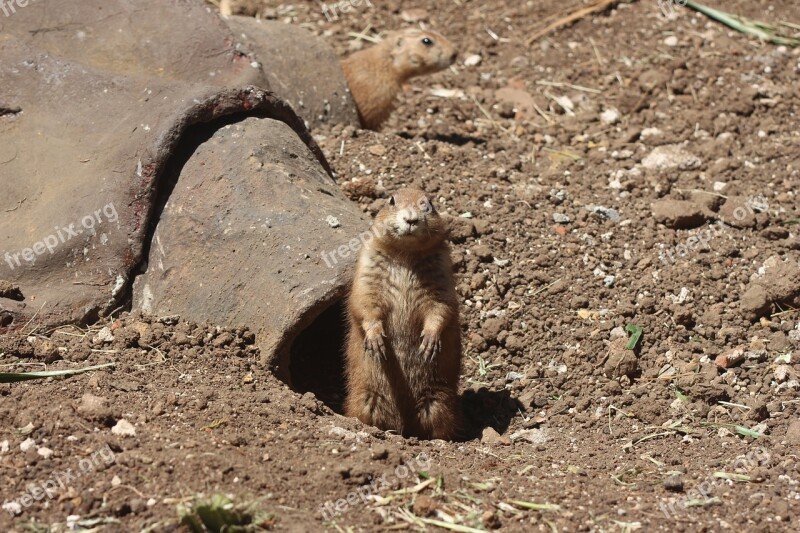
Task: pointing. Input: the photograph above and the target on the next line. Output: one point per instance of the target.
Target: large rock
(102, 105)
(777, 282)
(300, 68)
(247, 238)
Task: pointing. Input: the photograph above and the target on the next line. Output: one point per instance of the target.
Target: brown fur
(376, 75)
(404, 343)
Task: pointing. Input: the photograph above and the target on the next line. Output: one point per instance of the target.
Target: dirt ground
(587, 174)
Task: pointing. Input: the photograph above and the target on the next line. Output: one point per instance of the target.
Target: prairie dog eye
(391, 201)
(427, 41)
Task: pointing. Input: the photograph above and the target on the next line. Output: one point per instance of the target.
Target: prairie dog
(404, 343)
(376, 75)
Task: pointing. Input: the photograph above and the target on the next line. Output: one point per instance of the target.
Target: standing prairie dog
(376, 75)
(404, 344)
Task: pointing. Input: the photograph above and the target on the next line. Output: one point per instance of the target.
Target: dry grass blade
(576, 15)
(762, 30)
(536, 506)
(6, 377)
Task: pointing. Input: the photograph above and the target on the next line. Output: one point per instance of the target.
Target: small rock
(678, 214)
(534, 436)
(4, 447)
(671, 156)
(46, 350)
(492, 437)
(472, 60)
(605, 212)
(758, 412)
(94, 408)
(610, 116)
(514, 376)
(775, 233)
(424, 506)
(27, 444)
(561, 218)
(730, 358)
(483, 252)
(793, 433)
(333, 221)
(223, 340)
(116, 481)
(104, 336)
(671, 41)
(620, 361)
(124, 428)
(377, 149)
(609, 281)
(673, 484)
(490, 520)
(740, 211)
(45, 452)
(14, 508)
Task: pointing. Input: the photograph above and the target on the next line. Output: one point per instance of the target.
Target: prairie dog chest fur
(404, 344)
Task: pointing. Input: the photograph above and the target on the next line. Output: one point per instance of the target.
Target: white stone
(123, 428)
(610, 116)
(472, 60)
(45, 452)
(27, 444)
(671, 41)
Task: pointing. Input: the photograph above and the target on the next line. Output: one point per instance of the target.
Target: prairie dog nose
(411, 218)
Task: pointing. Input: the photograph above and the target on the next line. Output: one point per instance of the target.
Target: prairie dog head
(416, 52)
(409, 221)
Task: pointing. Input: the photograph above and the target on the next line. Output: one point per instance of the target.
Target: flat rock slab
(245, 237)
(300, 68)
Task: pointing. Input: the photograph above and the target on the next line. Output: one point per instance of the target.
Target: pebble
(793, 433)
(678, 214)
(561, 218)
(673, 484)
(333, 221)
(123, 428)
(27, 444)
(671, 156)
(104, 336)
(490, 436)
(605, 212)
(610, 116)
(730, 358)
(472, 60)
(45, 452)
(671, 41)
(534, 436)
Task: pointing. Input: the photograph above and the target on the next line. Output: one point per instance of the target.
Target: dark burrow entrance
(317, 358)
(317, 365)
